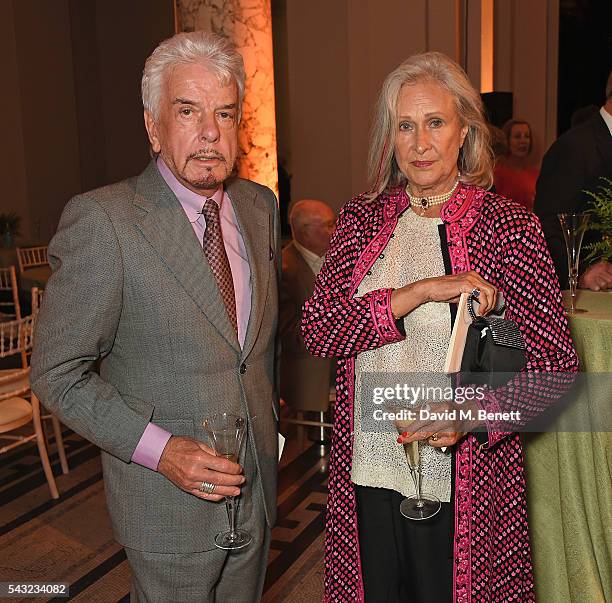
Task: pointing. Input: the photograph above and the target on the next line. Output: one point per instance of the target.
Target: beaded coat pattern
(504, 243)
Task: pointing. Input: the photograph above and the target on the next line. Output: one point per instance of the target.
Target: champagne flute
(226, 432)
(573, 227)
(421, 505)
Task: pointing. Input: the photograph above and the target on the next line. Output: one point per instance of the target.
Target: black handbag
(492, 345)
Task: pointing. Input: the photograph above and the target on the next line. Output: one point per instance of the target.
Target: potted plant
(601, 221)
(9, 228)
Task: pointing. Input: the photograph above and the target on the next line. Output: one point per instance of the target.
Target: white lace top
(413, 253)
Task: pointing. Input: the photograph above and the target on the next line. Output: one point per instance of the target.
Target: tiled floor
(70, 540)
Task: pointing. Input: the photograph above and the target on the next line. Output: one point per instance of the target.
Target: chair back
(37, 294)
(31, 257)
(14, 382)
(16, 336)
(15, 411)
(9, 294)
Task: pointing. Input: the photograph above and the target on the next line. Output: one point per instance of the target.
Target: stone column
(248, 23)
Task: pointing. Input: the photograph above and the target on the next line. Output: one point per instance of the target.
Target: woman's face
(520, 140)
(428, 138)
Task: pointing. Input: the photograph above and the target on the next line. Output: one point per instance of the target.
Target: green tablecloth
(569, 484)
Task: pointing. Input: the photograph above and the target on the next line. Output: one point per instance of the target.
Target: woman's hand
(438, 427)
(447, 288)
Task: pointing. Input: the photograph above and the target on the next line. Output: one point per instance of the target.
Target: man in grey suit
(169, 281)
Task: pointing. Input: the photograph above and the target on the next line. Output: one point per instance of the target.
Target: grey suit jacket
(131, 288)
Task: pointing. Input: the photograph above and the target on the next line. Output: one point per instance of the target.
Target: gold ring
(434, 437)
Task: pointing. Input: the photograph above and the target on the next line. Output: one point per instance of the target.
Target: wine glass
(226, 432)
(573, 227)
(421, 505)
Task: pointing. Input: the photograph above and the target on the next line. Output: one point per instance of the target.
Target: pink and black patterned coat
(503, 242)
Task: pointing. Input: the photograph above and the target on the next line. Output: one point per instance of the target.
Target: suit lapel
(165, 226)
(254, 224)
(603, 145)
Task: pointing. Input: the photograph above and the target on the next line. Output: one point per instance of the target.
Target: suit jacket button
(243, 368)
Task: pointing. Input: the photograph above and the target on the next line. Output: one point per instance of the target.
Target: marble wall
(248, 23)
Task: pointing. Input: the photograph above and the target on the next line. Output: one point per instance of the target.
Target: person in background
(582, 114)
(305, 379)
(168, 281)
(515, 175)
(574, 163)
(499, 142)
(427, 231)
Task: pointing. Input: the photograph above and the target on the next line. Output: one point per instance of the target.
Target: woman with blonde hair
(515, 174)
(427, 231)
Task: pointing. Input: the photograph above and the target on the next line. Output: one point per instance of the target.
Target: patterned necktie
(214, 250)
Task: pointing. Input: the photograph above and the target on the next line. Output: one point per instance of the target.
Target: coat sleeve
(533, 298)
(76, 327)
(334, 322)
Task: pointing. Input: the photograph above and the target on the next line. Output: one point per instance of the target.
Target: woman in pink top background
(515, 174)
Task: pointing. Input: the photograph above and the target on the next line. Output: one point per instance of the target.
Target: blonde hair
(507, 130)
(475, 157)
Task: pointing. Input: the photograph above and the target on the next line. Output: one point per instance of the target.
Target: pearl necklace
(425, 203)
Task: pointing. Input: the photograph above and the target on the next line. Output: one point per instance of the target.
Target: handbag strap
(470, 307)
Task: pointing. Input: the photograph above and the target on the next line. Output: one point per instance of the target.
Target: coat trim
(380, 306)
(460, 217)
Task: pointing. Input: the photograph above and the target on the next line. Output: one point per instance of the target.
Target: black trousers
(403, 561)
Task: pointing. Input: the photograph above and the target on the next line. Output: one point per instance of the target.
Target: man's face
(317, 228)
(196, 131)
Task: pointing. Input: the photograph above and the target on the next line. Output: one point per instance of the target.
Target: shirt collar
(607, 118)
(312, 259)
(191, 202)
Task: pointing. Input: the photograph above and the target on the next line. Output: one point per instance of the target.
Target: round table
(569, 484)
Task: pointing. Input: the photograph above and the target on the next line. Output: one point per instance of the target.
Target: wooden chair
(37, 295)
(32, 257)
(9, 294)
(16, 411)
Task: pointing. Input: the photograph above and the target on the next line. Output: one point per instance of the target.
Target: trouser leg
(403, 560)
(214, 576)
(180, 578)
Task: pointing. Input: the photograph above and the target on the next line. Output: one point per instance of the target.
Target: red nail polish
(399, 440)
(405, 434)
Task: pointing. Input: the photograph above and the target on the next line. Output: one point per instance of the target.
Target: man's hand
(597, 277)
(187, 463)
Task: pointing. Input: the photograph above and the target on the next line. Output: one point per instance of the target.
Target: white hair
(210, 50)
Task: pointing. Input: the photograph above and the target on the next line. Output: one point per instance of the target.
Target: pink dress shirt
(154, 438)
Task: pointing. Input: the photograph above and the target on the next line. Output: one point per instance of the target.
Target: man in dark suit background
(305, 380)
(574, 163)
(168, 280)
